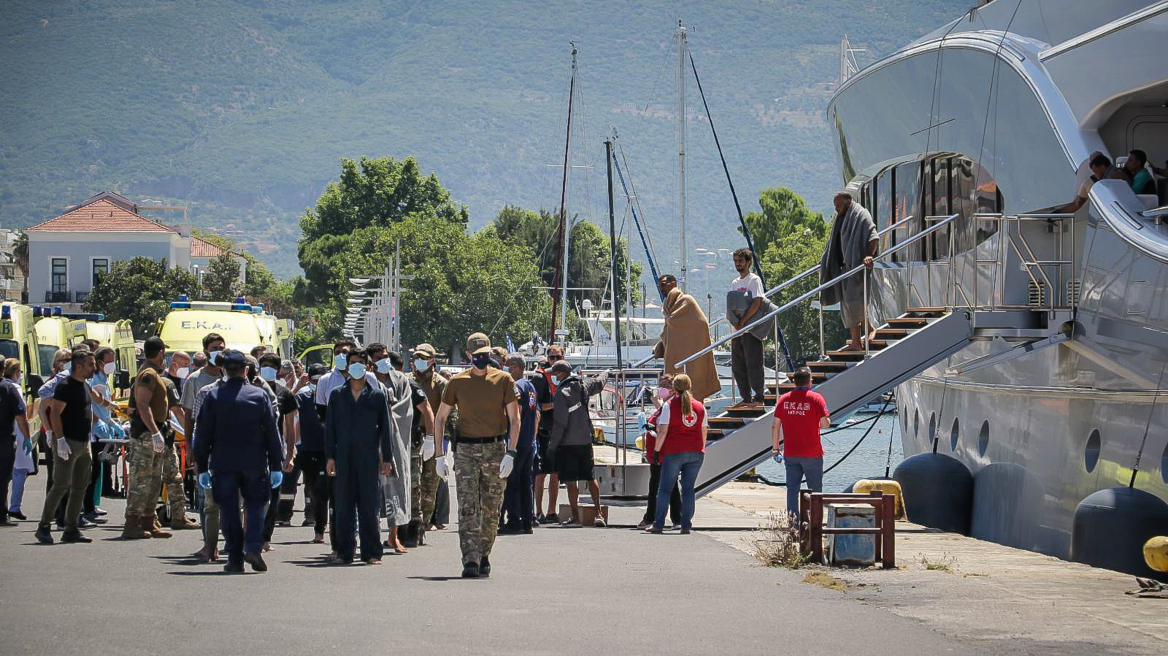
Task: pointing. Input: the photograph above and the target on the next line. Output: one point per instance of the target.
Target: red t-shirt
(800, 411)
(685, 434)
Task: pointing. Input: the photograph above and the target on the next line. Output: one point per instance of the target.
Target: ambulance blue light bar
(6, 313)
(57, 311)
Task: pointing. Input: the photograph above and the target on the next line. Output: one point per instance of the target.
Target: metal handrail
(843, 276)
(767, 294)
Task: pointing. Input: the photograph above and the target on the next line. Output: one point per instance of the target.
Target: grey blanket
(738, 302)
(395, 488)
(846, 248)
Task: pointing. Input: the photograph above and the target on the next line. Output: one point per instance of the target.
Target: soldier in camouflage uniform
(484, 451)
(150, 399)
(423, 463)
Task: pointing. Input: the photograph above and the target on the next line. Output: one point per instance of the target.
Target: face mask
(20, 378)
(109, 368)
(340, 362)
(383, 366)
(268, 373)
(68, 369)
(664, 392)
(213, 358)
(182, 372)
(481, 361)
(421, 365)
(356, 370)
(311, 387)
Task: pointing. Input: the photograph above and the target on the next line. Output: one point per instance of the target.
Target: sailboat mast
(681, 48)
(560, 293)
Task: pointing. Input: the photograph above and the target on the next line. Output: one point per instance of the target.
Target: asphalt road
(558, 591)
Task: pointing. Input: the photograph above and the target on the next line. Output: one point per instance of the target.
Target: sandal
(372, 561)
(319, 539)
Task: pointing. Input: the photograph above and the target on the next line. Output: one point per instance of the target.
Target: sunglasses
(553, 358)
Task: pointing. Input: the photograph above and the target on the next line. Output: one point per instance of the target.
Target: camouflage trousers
(423, 485)
(172, 477)
(480, 497)
(145, 479)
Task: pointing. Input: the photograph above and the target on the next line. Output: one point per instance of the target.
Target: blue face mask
(421, 365)
(341, 361)
(268, 373)
(481, 361)
(383, 366)
(356, 370)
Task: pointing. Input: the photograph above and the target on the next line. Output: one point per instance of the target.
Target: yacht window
(955, 434)
(1091, 453)
(983, 438)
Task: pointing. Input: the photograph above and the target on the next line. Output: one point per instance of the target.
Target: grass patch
(777, 544)
(945, 563)
(826, 580)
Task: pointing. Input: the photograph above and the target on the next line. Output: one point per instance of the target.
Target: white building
(67, 253)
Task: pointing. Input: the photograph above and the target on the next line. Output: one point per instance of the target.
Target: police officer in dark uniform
(238, 452)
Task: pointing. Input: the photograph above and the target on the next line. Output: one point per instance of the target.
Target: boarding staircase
(740, 438)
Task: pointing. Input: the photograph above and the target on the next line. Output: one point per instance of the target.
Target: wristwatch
(512, 452)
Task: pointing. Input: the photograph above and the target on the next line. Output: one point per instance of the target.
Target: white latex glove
(427, 447)
(62, 449)
(159, 443)
(442, 467)
(506, 466)
(49, 435)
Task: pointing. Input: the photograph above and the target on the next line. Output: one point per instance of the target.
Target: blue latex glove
(101, 430)
(205, 480)
(277, 477)
(27, 445)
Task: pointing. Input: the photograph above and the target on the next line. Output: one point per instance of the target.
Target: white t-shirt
(663, 418)
(1085, 188)
(751, 283)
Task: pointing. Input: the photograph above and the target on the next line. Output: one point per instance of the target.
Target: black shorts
(574, 463)
(543, 464)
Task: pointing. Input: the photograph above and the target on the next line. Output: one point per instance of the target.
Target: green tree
(140, 290)
(784, 212)
(258, 280)
(221, 281)
(461, 283)
(589, 249)
(372, 193)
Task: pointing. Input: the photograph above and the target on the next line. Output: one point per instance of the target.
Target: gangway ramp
(740, 438)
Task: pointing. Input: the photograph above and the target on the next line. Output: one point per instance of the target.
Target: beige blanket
(686, 332)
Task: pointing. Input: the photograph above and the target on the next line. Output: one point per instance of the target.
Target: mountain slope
(243, 108)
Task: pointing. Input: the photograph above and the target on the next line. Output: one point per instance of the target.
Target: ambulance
(18, 338)
(118, 335)
(57, 330)
(242, 325)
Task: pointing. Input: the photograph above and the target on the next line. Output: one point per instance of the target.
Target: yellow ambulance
(242, 325)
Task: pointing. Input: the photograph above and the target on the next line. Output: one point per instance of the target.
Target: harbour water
(867, 461)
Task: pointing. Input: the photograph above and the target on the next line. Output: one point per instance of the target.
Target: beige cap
(478, 343)
(425, 351)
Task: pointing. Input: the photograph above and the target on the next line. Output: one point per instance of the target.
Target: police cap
(232, 360)
(425, 352)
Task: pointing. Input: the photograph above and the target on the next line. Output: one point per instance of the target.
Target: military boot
(150, 525)
(134, 530)
(178, 519)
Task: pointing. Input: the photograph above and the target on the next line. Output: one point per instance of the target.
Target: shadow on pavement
(438, 578)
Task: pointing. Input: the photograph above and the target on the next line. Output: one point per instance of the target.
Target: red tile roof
(204, 248)
(101, 216)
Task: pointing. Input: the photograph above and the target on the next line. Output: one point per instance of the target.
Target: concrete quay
(614, 590)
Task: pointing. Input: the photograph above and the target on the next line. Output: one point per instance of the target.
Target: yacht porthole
(932, 428)
(916, 424)
(955, 434)
(1164, 465)
(1091, 452)
(983, 438)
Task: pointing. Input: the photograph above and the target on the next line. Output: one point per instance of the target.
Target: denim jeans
(687, 463)
(797, 468)
(19, 476)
